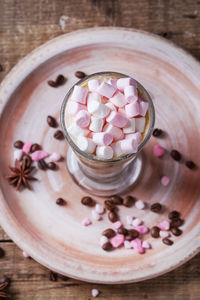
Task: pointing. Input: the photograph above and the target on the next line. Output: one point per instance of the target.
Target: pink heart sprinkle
(165, 180)
(38, 155)
(86, 222)
(142, 229)
(146, 245)
(117, 225)
(25, 254)
(117, 240)
(158, 151)
(164, 225)
(137, 245)
(27, 147)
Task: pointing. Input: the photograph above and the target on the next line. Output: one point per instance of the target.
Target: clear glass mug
(105, 177)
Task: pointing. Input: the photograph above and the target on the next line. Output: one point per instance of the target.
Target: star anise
(3, 287)
(21, 174)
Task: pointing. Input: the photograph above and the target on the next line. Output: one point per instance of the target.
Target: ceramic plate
(53, 235)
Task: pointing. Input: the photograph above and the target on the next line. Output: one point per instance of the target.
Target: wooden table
(26, 24)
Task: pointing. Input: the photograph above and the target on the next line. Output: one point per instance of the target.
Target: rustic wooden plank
(31, 279)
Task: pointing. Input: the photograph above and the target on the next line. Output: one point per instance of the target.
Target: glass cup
(105, 177)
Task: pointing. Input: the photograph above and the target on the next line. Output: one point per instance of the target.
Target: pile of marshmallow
(108, 117)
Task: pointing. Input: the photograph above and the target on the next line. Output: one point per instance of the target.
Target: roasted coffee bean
(109, 233)
(174, 215)
(60, 80)
(35, 147)
(128, 201)
(156, 207)
(2, 253)
(128, 237)
(18, 144)
(176, 223)
(80, 74)
(157, 132)
(122, 230)
(107, 246)
(88, 201)
(167, 241)
(58, 135)
(53, 276)
(175, 155)
(176, 231)
(133, 233)
(61, 202)
(52, 166)
(109, 205)
(113, 217)
(155, 232)
(1, 68)
(27, 159)
(190, 164)
(52, 121)
(117, 200)
(42, 165)
(52, 83)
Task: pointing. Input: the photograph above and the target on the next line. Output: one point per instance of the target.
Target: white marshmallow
(164, 234)
(96, 124)
(111, 106)
(76, 131)
(97, 109)
(118, 100)
(74, 107)
(140, 124)
(102, 138)
(129, 220)
(117, 151)
(104, 152)
(136, 222)
(103, 240)
(127, 245)
(85, 144)
(96, 216)
(93, 84)
(123, 82)
(136, 136)
(131, 93)
(79, 94)
(130, 127)
(129, 146)
(114, 131)
(93, 97)
(99, 209)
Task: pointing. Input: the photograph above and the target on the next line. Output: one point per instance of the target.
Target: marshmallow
(79, 94)
(139, 204)
(136, 222)
(105, 89)
(114, 131)
(142, 229)
(38, 155)
(54, 157)
(129, 220)
(118, 100)
(117, 225)
(93, 97)
(146, 245)
(137, 245)
(140, 124)
(122, 111)
(103, 240)
(117, 240)
(96, 124)
(117, 151)
(82, 119)
(111, 106)
(164, 225)
(27, 147)
(132, 109)
(136, 136)
(93, 84)
(123, 82)
(75, 131)
(104, 152)
(128, 146)
(164, 234)
(99, 209)
(102, 138)
(85, 144)
(96, 216)
(98, 109)
(143, 107)
(127, 245)
(130, 126)
(74, 107)
(94, 293)
(117, 119)
(130, 93)
(113, 82)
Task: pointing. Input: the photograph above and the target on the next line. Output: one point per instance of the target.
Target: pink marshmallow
(117, 119)
(27, 147)
(82, 118)
(146, 245)
(131, 93)
(123, 82)
(102, 138)
(38, 155)
(117, 225)
(135, 136)
(122, 111)
(113, 82)
(165, 180)
(132, 109)
(164, 225)
(86, 222)
(79, 94)
(55, 157)
(143, 107)
(25, 254)
(93, 84)
(137, 245)
(114, 131)
(74, 107)
(142, 229)
(158, 151)
(118, 99)
(117, 240)
(128, 146)
(105, 89)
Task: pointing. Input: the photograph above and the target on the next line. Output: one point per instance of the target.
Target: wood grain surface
(24, 25)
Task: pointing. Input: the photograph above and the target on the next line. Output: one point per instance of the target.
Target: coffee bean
(35, 147)
(133, 233)
(2, 253)
(107, 246)
(42, 165)
(155, 232)
(176, 231)
(28, 160)
(88, 201)
(64, 278)
(1, 68)
(52, 166)
(109, 233)
(175, 155)
(59, 135)
(128, 201)
(60, 80)
(122, 230)
(157, 132)
(52, 83)
(113, 217)
(109, 205)
(174, 215)
(167, 241)
(61, 202)
(128, 237)
(80, 74)
(18, 144)
(53, 276)
(5, 280)
(190, 164)
(52, 121)
(156, 207)
(117, 200)
(176, 223)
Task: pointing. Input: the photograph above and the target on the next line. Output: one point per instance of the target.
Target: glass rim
(94, 158)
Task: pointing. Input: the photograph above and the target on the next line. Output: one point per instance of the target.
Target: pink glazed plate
(53, 235)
